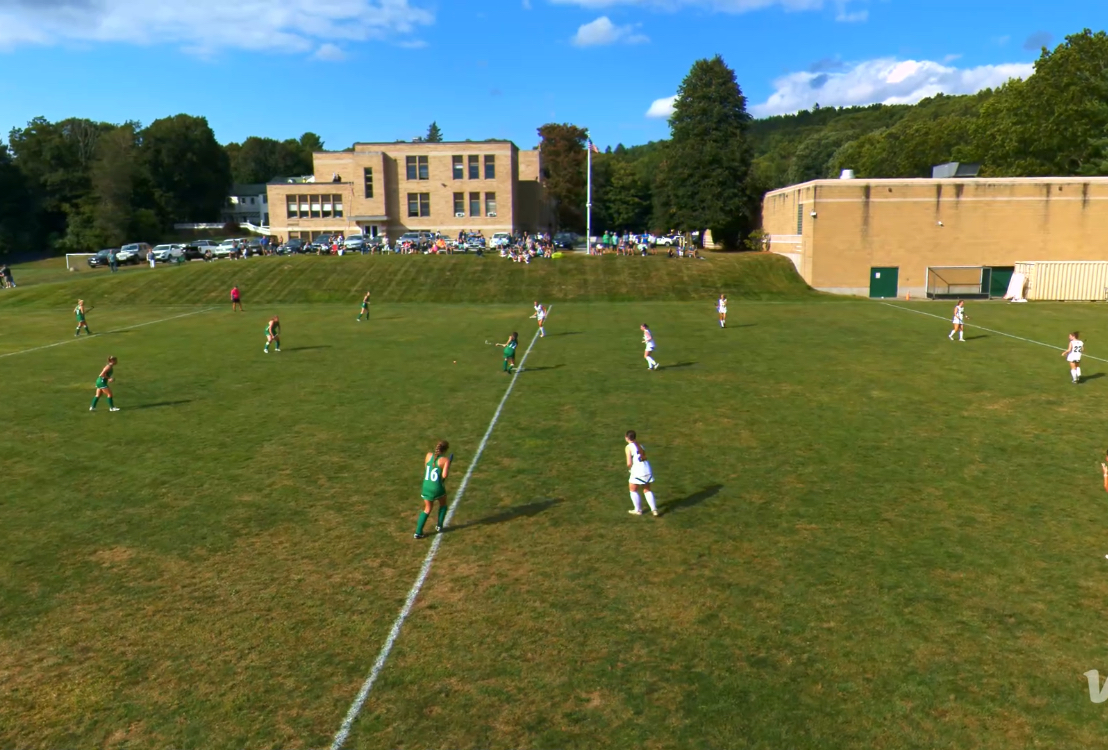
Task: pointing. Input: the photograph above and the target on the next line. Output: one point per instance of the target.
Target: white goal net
(963, 282)
(76, 261)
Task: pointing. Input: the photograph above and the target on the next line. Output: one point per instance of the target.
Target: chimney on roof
(848, 174)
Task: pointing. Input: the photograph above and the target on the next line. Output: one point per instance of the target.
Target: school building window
(474, 167)
(490, 204)
(368, 178)
(490, 167)
(419, 205)
(459, 168)
(800, 218)
(314, 206)
(459, 203)
(474, 204)
(417, 168)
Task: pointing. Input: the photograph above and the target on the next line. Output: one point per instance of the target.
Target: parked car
(668, 241)
(223, 249)
(322, 242)
(501, 239)
(292, 247)
(102, 258)
(133, 254)
(166, 253)
(564, 240)
(355, 243)
(475, 242)
(412, 238)
(196, 249)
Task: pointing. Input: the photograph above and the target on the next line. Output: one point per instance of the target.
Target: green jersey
(79, 313)
(510, 350)
(434, 486)
(102, 381)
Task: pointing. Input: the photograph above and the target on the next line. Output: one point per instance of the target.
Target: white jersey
(1077, 346)
(540, 312)
(959, 315)
(641, 473)
(648, 339)
(722, 306)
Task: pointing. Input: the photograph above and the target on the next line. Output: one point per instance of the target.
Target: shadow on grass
(160, 404)
(564, 333)
(510, 514)
(304, 348)
(540, 369)
(1094, 376)
(978, 336)
(692, 500)
(679, 364)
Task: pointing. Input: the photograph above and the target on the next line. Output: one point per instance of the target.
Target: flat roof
(942, 181)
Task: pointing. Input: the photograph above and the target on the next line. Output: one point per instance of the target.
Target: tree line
(718, 162)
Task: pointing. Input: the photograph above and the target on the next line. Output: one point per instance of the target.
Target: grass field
(872, 537)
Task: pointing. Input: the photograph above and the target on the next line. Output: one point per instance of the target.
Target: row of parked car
(139, 252)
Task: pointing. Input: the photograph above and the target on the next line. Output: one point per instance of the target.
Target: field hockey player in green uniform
(272, 334)
(79, 311)
(103, 387)
(435, 470)
(510, 352)
(365, 307)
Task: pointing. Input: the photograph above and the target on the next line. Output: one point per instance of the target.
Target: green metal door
(1002, 277)
(883, 282)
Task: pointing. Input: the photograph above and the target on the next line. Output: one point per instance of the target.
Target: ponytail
(441, 448)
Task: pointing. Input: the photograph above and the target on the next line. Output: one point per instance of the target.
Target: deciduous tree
(563, 162)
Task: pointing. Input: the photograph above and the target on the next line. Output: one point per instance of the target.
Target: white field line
(75, 339)
(359, 702)
(990, 330)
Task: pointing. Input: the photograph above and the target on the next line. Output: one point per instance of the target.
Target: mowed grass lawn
(872, 538)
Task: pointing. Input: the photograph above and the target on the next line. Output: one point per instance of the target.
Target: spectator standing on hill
(113, 261)
(236, 299)
(150, 257)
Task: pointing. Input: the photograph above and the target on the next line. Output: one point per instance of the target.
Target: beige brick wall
(516, 208)
(861, 224)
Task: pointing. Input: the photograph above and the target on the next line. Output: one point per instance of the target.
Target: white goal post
(961, 282)
(70, 264)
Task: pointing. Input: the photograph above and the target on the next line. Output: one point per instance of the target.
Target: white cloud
(661, 109)
(727, 6)
(603, 31)
(206, 27)
(885, 80)
(329, 52)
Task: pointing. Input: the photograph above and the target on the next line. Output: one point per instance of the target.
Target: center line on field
(990, 330)
(75, 339)
(359, 702)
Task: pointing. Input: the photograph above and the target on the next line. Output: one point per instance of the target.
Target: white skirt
(641, 473)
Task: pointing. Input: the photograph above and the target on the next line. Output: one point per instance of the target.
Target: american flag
(593, 148)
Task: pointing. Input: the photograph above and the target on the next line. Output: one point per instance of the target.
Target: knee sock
(650, 361)
(422, 521)
(1079, 373)
(94, 400)
(650, 500)
(111, 403)
(636, 501)
(442, 515)
(505, 365)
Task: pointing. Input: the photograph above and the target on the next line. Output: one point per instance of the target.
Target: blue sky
(381, 70)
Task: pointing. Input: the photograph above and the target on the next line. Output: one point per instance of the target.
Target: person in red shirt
(236, 299)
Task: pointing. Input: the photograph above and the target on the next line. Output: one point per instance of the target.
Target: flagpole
(588, 199)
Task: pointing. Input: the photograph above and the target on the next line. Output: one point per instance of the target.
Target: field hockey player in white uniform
(721, 306)
(642, 476)
(1073, 356)
(958, 321)
(648, 341)
(540, 313)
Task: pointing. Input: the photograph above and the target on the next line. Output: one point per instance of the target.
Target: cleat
(654, 513)
(635, 512)
(113, 408)
(278, 350)
(417, 536)
(92, 408)
(438, 528)
(266, 351)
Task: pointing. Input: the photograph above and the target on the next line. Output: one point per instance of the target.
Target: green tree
(114, 175)
(311, 143)
(17, 214)
(811, 160)
(1053, 123)
(434, 135)
(189, 172)
(625, 197)
(705, 179)
(563, 162)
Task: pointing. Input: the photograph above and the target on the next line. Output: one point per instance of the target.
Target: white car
(223, 249)
(670, 241)
(166, 253)
(501, 239)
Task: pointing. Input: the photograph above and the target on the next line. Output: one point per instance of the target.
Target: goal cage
(73, 261)
(967, 282)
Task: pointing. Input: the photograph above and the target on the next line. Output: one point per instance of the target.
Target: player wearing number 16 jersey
(435, 470)
(1073, 356)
